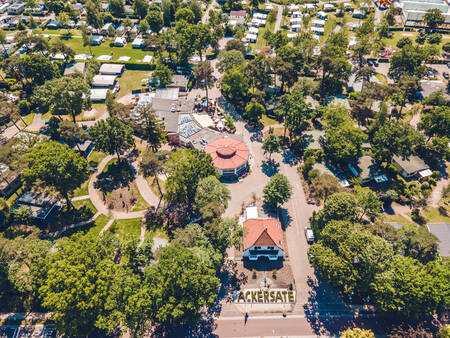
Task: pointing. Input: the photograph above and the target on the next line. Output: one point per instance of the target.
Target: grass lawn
(432, 215)
(82, 211)
(381, 78)
(140, 204)
(105, 49)
(83, 190)
(130, 80)
(99, 224)
(396, 219)
(26, 120)
(396, 36)
(261, 42)
(85, 203)
(268, 121)
(96, 156)
(74, 32)
(12, 199)
(92, 228)
(123, 227)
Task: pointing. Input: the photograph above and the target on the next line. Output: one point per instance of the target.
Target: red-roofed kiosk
(230, 156)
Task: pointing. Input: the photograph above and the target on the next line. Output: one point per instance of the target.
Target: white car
(309, 234)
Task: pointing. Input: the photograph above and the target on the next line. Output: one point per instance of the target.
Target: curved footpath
(145, 191)
(143, 187)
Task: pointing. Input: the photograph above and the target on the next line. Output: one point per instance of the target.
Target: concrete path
(37, 123)
(279, 16)
(75, 225)
(79, 198)
(106, 227)
(141, 183)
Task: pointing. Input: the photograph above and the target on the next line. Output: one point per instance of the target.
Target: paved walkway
(279, 16)
(141, 183)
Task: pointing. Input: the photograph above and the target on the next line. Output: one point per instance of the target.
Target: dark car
(370, 62)
(446, 75)
(376, 63)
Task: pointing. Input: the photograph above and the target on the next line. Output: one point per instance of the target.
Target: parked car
(309, 234)
(376, 63)
(370, 63)
(448, 65)
(446, 75)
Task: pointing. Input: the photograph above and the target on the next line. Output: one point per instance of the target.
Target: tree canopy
(57, 166)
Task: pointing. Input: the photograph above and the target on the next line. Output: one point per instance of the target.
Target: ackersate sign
(265, 296)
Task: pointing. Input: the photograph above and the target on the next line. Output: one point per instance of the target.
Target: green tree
(254, 112)
(57, 166)
(435, 122)
(211, 192)
(229, 59)
(22, 256)
(117, 8)
(155, 21)
(93, 14)
(357, 333)
(141, 8)
(180, 286)
(277, 191)
(81, 276)
(257, 73)
(203, 75)
(234, 85)
(65, 95)
(407, 61)
(338, 207)
(55, 6)
(23, 215)
(186, 168)
(112, 136)
(185, 14)
(418, 243)
(162, 74)
(368, 202)
(296, 112)
(63, 20)
(433, 18)
(344, 144)
(71, 133)
(394, 138)
(271, 145)
(86, 36)
(151, 128)
(152, 165)
(410, 288)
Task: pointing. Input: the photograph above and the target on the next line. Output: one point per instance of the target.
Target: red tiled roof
(263, 232)
(238, 13)
(227, 153)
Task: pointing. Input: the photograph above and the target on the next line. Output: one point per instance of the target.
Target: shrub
(446, 47)
(24, 106)
(434, 39)
(312, 174)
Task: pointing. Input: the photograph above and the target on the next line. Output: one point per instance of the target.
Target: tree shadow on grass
(115, 176)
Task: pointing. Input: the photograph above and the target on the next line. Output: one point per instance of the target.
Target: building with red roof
(230, 156)
(263, 239)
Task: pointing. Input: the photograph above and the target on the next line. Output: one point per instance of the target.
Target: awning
(425, 173)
